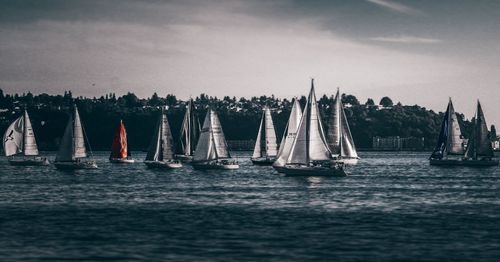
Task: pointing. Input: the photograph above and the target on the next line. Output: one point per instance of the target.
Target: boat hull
(263, 161)
(163, 164)
(90, 164)
(464, 162)
(303, 170)
(121, 160)
(36, 161)
(215, 165)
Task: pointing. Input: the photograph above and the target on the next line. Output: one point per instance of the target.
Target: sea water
(391, 206)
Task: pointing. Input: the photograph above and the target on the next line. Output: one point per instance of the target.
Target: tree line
(240, 117)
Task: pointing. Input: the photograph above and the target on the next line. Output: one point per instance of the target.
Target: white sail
(339, 135)
(161, 146)
(310, 144)
(166, 139)
(30, 147)
(73, 142)
(205, 149)
(155, 145)
(348, 149)
(79, 149)
(265, 144)
(454, 144)
(289, 134)
(220, 143)
(13, 137)
(271, 144)
(257, 150)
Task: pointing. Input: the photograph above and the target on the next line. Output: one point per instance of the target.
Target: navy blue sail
(443, 137)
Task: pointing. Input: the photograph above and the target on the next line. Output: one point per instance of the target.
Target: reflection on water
(391, 206)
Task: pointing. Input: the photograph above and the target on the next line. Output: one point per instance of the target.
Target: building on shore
(396, 143)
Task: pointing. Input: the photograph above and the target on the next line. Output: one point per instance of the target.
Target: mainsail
(20, 138)
(265, 145)
(450, 140)
(479, 143)
(310, 144)
(190, 130)
(289, 134)
(339, 135)
(161, 146)
(212, 143)
(119, 148)
(73, 141)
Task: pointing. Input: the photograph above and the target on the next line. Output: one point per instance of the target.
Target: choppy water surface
(392, 206)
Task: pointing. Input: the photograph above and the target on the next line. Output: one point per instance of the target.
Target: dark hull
(184, 158)
(38, 161)
(163, 165)
(90, 164)
(460, 162)
(263, 161)
(313, 171)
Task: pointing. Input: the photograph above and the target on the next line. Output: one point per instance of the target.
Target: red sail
(119, 147)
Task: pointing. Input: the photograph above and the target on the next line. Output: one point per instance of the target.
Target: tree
(369, 102)
(386, 102)
(154, 100)
(350, 99)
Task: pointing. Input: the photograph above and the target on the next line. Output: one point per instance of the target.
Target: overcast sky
(417, 52)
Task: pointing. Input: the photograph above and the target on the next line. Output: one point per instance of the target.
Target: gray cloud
(254, 47)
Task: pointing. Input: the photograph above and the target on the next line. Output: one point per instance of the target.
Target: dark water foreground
(393, 206)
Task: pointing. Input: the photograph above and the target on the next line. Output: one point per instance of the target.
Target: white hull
(350, 161)
(220, 165)
(27, 161)
(74, 165)
(163, 164)
(121, 160)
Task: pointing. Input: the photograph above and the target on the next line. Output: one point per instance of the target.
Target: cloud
(407, 40)
(396, 7)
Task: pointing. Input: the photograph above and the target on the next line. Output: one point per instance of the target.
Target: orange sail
(119, 147)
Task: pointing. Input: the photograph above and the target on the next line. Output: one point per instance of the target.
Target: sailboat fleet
(307, 147)
(451, 149)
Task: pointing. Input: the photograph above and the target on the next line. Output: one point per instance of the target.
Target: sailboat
(310, 155)
(339, 136)
(450, 147)
(479, 149)
(212, 151)
(266, 148)
(288, 136)
(19, 143)
(161, 150)
(190, 131)
(72, 152)
(119, 148)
